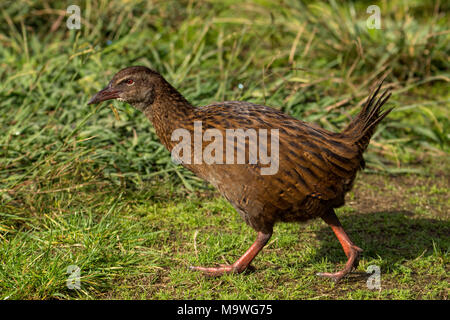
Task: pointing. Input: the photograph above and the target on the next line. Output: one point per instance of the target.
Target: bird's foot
(219, 271)
(352, 263)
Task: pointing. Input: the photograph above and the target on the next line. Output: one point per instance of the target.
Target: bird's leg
(243, 262)
(351, 251)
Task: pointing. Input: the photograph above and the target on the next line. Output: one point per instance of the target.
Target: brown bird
(308, 170)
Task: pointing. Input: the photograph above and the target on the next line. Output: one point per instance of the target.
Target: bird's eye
(129, 82)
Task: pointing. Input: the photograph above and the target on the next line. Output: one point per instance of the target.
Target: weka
(316, 167)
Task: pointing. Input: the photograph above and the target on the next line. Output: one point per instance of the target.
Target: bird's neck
(169, 112)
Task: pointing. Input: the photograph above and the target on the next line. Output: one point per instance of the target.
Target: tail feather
(361, 129)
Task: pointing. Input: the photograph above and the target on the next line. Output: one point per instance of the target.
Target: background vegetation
(80, 187)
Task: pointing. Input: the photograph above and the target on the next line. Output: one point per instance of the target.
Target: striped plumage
(316, 167)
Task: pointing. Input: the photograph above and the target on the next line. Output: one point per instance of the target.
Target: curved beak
(103, 95)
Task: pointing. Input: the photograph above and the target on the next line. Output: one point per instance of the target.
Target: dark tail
(361, 129)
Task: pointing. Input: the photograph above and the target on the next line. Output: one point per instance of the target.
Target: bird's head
(135, 85)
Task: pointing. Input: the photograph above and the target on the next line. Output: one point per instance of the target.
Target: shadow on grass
(393, 236)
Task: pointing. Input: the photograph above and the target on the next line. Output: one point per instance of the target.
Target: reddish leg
(351, 251)
(243, 262)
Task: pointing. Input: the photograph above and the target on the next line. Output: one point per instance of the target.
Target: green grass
(139, 244)
(78, 187)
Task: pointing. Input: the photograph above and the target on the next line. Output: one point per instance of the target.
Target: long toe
(352, 263)
(335, 276)
(215, 271)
